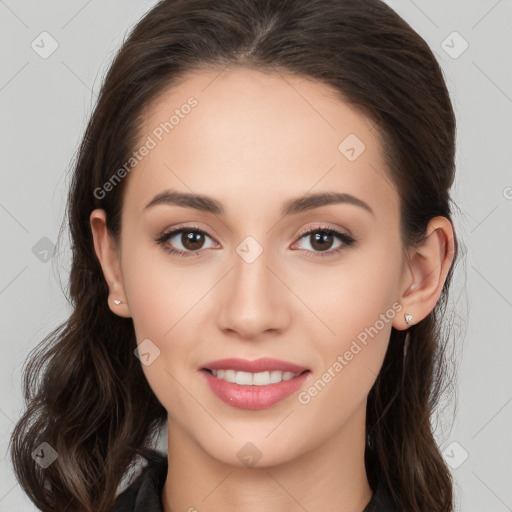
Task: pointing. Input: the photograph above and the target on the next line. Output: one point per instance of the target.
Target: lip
(254, 397)
(258, 365)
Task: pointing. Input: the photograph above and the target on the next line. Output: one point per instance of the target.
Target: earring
(369, 441)
(117, 302)
(408, 319)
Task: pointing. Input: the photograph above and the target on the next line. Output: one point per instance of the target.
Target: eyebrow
(290, 207)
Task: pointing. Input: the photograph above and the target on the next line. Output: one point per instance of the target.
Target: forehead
(242, 135)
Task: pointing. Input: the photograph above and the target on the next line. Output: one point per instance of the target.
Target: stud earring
(117, 302)
(408, 319)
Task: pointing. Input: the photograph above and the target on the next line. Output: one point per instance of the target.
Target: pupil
(321, 239)
(193, 240)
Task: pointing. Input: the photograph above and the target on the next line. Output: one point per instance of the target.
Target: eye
(322, 239)
(184, 241)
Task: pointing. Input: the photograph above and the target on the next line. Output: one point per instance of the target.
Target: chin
(256, 453)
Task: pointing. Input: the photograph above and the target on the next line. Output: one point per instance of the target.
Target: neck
(329, 477)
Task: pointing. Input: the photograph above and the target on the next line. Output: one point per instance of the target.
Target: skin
(254, 141)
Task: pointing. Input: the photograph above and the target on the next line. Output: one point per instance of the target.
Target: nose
(253, 300)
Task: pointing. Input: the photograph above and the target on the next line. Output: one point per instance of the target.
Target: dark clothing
(144, 493)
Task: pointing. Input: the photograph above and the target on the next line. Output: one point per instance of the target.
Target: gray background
(45, 103)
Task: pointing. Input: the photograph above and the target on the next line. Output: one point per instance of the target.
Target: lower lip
(253, 397)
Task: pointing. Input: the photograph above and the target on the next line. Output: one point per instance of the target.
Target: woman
(262, 249)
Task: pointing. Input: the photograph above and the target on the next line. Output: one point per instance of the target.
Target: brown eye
(321, 241)
(192, 240)
(185, 241)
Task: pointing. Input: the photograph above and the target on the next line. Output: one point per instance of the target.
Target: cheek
(354, 307)
(351, 297)
(168, 305)
(359, 311)
(160, 294)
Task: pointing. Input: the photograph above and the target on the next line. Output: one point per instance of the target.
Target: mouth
(257, 384)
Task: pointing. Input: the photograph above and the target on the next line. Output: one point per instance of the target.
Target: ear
(428, 265)
(108, 254)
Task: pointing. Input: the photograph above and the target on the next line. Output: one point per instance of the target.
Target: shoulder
(144, 493)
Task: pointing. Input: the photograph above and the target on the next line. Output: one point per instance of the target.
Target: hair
(86, 393)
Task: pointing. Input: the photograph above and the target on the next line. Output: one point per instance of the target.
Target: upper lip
(257, 365)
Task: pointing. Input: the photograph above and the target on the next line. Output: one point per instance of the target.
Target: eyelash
(346, 240)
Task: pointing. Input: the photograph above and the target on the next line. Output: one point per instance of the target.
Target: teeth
(253, 379)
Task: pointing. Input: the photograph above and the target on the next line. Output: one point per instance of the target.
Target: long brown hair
(86, 394)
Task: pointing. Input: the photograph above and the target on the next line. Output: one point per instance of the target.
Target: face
(261, 270)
